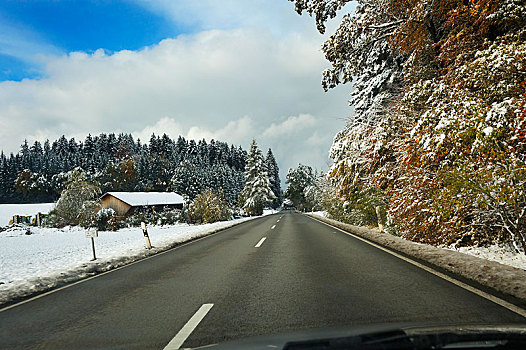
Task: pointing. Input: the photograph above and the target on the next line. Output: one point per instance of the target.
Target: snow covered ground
(49, 257)
(500, 254)
(8, 210)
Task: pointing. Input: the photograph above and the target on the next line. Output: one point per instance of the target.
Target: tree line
(39, 172)
(438, 135)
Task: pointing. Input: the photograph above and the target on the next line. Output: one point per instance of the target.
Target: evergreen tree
(120, 163)
(257, 192)
(273, 176)
(299, 180)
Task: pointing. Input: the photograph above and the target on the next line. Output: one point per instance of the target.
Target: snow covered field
(49, 257)
(8, 210)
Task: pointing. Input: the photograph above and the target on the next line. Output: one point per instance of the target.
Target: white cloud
(164, 125)
(273, 15)
(316, 139)
(236, 131)
(290, 126)
(230, 85)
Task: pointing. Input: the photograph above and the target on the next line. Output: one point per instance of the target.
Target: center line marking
(277, 221)
(273, 227)
(188, 328)
(260, 242)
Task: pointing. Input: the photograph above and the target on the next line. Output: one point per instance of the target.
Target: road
(303, 275)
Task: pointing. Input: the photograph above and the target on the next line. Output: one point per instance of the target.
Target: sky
(229, 70)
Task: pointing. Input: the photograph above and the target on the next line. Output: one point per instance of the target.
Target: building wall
(119, 206)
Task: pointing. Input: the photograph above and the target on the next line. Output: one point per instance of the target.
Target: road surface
(280, 273)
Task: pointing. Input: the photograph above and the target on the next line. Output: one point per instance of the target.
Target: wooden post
(93, 248)
(146, 237)
(379, 216)
(92, 233)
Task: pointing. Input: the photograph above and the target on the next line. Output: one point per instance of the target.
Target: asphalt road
(304, 275)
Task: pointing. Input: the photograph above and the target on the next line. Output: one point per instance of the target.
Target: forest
(438, 134)
(37, 173)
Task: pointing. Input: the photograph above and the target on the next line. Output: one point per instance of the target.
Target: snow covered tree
(445, 144)
(273, 175)
(120, 177)
(472, 126)
(360, 52)
(120, 163)
(299, 180)
(257, 192)
(76, 200)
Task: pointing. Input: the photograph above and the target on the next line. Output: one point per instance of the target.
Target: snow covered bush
(164, 217)
(208, 207)
(170, 217)
(105, 220)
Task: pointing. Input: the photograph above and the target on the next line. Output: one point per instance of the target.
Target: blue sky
(65, 26)
(232, 70)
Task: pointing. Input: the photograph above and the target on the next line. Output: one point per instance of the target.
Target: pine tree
(257, 192)
(273, 175)
(299, 180)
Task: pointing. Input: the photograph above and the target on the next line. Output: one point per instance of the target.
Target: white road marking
(184, 244)
(188, 328)
(277, 221)
(260, 242)
(474, 290)
(107, 272)
(273, 227)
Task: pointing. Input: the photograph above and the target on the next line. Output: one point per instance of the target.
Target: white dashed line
(188, 328)
(273, 227)
(260, 242)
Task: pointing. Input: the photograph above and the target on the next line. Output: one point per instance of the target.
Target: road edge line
(512, 307)
(99, 274)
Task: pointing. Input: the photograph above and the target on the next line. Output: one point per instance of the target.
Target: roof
(136, 199)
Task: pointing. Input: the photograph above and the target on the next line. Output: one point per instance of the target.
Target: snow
(49, 257)
(148, 198)
(487, 131)
(8, 210)
(498, 253)
(269, 211)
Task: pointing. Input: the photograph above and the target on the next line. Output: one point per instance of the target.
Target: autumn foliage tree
(439, 127)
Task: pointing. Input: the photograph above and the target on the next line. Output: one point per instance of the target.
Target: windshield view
(289, 174)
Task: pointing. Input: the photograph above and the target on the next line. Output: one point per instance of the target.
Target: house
(125, 203)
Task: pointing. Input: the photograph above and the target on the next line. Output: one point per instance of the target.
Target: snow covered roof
(136, 199)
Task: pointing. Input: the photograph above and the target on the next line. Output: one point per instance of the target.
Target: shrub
(165, 217)
(208, 207)
(75, 205)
